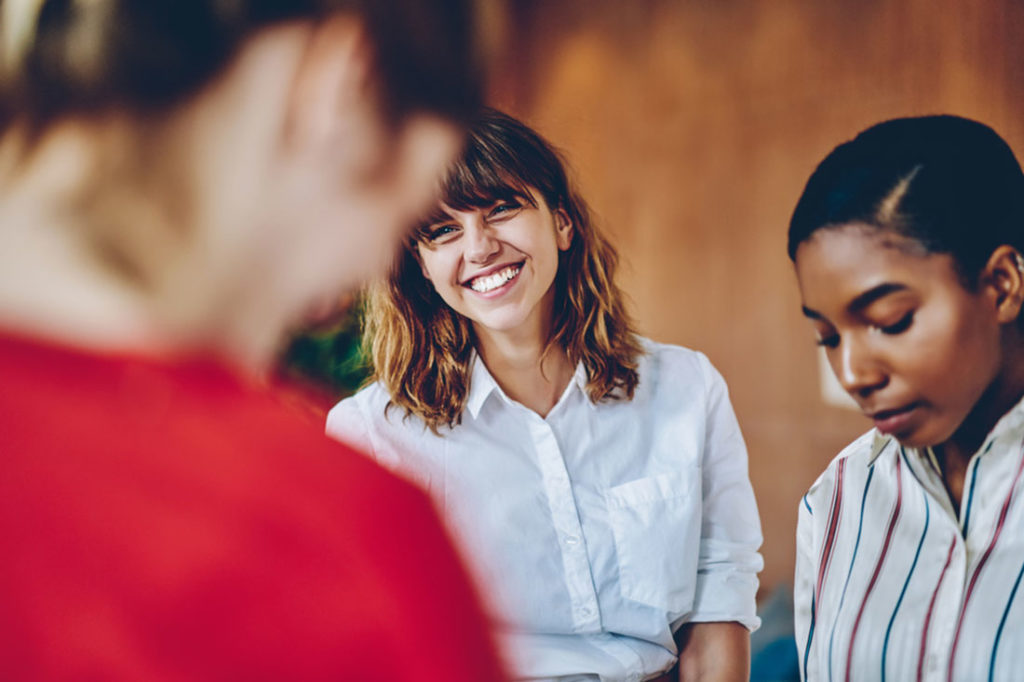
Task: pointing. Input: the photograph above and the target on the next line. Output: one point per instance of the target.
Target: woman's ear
(563, 229)
(1004, 273)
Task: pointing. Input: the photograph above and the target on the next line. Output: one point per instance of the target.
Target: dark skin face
(928, 359)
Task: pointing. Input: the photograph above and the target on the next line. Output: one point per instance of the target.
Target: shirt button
(586, 611)
(572, 540)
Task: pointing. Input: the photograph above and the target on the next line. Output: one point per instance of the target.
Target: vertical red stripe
(832, 530)
(931, 606)
(981, 564)
(893, 518)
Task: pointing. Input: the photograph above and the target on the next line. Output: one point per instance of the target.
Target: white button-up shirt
(893, 583)
(598, 530)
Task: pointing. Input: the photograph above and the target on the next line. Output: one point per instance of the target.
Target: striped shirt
(893, 583)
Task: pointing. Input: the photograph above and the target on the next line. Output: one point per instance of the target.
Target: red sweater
(166, 521)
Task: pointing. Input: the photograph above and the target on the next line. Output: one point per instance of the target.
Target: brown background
(692, 127)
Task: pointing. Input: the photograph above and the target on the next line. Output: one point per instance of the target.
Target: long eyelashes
(902, 325)
(828, 341)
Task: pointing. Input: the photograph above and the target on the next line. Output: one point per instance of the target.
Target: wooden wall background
(692, 126)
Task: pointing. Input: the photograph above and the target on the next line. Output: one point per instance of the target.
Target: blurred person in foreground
(179, 182)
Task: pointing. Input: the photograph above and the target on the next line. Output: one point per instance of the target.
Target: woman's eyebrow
(862, 301)
(813, 314)
(438, 215)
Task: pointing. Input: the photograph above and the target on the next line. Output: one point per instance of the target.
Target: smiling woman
(907, 244)
(598, 480)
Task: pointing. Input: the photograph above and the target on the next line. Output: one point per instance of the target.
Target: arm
(728, 560)
(713, 652)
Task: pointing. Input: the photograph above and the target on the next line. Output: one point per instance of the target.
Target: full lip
(893, 419)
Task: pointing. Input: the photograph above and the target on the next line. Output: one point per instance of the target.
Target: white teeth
(491, 282)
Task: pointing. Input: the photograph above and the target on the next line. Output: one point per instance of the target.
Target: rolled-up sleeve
(729, 560)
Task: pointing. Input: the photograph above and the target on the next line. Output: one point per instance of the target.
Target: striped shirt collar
(1013, 419)
(482, 385)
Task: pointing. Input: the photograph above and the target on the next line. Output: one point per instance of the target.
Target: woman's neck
(1005, 391)
(529, 370)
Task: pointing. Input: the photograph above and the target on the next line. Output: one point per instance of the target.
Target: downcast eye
(830, 341)
(899, 327)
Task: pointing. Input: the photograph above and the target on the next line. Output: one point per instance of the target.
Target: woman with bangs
(598, 480)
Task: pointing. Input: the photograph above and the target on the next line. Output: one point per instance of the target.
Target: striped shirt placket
(931, 609)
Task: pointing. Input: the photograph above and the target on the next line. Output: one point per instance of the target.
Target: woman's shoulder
(370, 411)
(852, 460)
(669, 355)
(673, 365)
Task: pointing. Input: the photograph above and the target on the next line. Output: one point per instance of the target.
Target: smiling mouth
(490, 282)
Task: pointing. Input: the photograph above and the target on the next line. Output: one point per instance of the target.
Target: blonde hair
(421, 349)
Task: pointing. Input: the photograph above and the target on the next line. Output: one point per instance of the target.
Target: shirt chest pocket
(656, 524)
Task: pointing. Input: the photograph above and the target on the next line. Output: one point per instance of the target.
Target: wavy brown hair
(421, 349)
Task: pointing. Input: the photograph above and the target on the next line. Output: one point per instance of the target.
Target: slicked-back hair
(951, 184)
(421, 349)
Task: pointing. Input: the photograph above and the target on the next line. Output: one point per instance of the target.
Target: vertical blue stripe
(806, 504)
(906, 459)
(970, 497)
(849, 572)
(810, 636)
(913, 565)
(1002, 623)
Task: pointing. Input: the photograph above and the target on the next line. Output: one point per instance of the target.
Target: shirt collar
(1012, 420)
(482, 385)
(878, 443)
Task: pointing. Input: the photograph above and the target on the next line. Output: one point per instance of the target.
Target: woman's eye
(437, 232)
(830, 341)
(504, 208)
(900, 326)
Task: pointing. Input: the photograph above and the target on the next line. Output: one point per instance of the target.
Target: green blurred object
(329, 358)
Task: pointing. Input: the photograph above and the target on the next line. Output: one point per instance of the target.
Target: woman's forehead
(836, 265)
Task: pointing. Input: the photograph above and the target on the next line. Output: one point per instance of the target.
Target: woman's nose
(858, 371)
(481, 244)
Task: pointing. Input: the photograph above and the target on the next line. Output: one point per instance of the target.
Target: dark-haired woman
(599, 480)
(180, 182)
(908, 245)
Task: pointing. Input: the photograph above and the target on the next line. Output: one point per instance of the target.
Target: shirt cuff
(724, 597)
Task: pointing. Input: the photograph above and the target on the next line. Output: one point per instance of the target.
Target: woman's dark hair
(422, 349)
(71, 57)
(949, 183)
